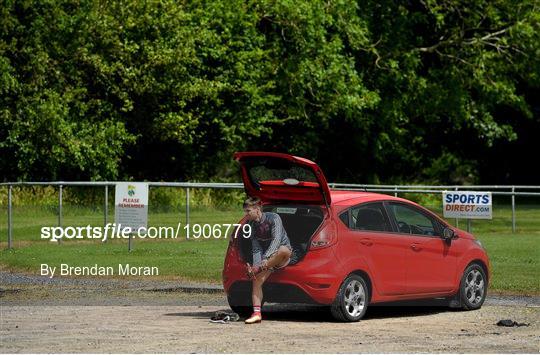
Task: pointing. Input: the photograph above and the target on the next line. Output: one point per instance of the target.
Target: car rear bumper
(316, 279)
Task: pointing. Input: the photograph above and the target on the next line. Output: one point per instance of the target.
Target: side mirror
(448, 234)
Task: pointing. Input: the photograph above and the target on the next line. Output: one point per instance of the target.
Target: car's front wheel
(473, 287)
(352, 299)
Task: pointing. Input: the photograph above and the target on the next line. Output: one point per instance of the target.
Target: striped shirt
(267, 236)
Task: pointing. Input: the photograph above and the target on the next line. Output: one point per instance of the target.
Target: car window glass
(412, 221)
(270, 170)
(344, 218)
(370, 217)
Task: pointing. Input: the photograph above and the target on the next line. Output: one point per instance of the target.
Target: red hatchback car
(352, 248)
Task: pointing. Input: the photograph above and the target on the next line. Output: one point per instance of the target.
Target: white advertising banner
(131, 205)
(467, 204)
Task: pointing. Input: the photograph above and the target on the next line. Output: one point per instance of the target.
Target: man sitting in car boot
(271, 250)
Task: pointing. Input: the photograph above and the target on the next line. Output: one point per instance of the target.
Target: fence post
(10, 226)
(457, 220)
(513, 210)
(60, 206)
(187, 206)
(60, 209)
(395, 189)
(469, 225)
(106, 206)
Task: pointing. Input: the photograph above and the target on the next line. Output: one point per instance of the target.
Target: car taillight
(326, 236)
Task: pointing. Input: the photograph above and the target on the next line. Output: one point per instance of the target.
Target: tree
(374, 91)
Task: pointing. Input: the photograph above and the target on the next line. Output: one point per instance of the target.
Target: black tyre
(351, 300)
(473, 287)
(240, 305)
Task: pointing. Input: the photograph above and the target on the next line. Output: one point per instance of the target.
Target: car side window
(370, 217)
(411, 221)
(345, 218)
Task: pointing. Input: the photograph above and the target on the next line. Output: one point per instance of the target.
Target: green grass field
(515, 257)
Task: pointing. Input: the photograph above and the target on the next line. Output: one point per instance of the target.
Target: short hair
(251, 202)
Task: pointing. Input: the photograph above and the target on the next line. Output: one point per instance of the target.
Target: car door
(371, 233)
(430, 261)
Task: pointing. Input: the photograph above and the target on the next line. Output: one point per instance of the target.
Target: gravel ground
(104, 315)
(186, 329)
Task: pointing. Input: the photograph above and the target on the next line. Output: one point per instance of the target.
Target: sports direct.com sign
(467, 204)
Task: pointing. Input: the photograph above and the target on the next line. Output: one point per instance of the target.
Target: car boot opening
(300, 223)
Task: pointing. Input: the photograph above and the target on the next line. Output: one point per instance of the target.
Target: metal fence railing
(496, 190)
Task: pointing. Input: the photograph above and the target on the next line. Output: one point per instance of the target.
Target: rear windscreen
(262, 170)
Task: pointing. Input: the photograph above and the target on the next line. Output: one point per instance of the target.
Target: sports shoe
(224, 317)
(255, 318)
(223, 320)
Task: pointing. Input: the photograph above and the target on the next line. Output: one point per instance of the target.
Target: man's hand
(252, 271)
(264, 265)
(249, 272)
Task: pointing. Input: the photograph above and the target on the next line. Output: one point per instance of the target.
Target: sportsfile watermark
(114, 231)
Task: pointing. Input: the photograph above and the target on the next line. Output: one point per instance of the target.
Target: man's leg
(257, 293)
(280, 257)
(257, 296)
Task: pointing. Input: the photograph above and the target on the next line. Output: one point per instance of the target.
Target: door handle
(366, 241)
(416, 247)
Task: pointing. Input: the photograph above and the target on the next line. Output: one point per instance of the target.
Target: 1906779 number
(208, 231)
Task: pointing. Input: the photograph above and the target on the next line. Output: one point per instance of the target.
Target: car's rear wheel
(473, 287)
(351, 300)
(240, 305)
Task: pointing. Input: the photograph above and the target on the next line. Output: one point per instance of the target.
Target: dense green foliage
(375, 91)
